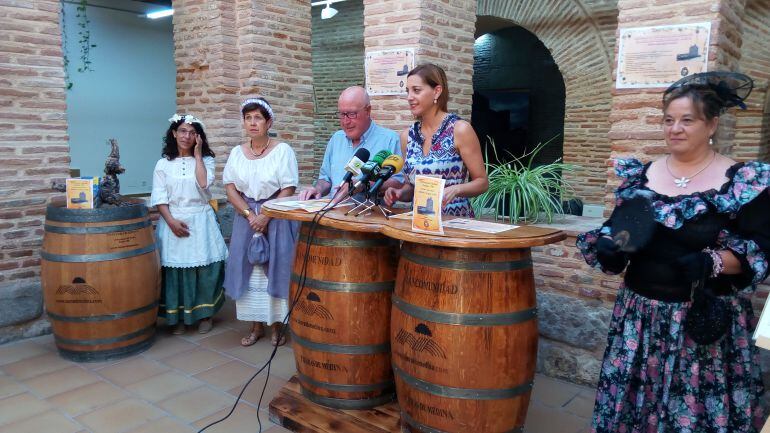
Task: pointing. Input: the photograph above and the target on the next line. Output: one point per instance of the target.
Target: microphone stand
(349, 200)
(358, 203)
(370, 204)
(385, 211)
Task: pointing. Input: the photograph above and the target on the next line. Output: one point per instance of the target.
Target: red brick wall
(752, 131)
(33, 132)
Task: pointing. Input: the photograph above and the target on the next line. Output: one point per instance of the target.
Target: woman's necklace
(682, 182)
(264, 148)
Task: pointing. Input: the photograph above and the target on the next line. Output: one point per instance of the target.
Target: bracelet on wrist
(718, 264)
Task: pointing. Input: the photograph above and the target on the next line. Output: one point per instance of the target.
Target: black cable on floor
(284, 323)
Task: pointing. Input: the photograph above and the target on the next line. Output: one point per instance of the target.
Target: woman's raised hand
(198, 149)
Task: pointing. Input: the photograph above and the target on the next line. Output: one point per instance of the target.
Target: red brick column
(228, 50)
(205, 51)
(440, 33)
(33, 135)
(274, 59)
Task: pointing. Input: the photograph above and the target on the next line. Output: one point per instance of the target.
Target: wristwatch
(246, 212)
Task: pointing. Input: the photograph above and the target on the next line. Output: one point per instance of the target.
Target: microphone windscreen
(379, 158)
(362, 154)
(394, 161)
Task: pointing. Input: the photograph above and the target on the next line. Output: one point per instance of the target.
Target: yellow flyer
(80, 192)
(428, 194)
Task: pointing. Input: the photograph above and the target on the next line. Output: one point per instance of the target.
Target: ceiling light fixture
(160, 14)
(328, 11)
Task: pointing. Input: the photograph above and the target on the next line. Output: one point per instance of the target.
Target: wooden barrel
(464, 338)
(101, 281)
(341, 323)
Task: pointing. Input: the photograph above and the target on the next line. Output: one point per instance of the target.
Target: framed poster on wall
(659, 56)
(386, 71)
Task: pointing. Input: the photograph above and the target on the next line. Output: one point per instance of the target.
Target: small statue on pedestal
(109, 185)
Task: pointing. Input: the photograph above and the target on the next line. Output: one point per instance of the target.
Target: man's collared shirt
(340, 149)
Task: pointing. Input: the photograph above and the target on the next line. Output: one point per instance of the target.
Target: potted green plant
(523, 190)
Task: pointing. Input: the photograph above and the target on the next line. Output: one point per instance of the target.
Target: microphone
(353, 167)
(392, 165)
(371, 169)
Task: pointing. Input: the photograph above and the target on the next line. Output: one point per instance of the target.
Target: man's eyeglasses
(349, 114)
(346, 114)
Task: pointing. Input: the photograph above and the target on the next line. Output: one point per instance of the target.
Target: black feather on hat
(732, 87)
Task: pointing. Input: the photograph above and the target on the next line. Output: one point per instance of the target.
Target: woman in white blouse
(192, 250)
(260, 169)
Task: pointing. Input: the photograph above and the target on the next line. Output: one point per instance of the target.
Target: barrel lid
(103, 214)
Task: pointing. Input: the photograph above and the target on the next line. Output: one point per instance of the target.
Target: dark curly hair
(171, 149)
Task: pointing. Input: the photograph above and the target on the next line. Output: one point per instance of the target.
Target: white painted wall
(128, 96)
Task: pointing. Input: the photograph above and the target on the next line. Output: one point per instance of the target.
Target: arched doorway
(518, 92)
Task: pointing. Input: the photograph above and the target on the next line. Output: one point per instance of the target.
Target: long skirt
(191, 294)
(655, 378)
(256, 304)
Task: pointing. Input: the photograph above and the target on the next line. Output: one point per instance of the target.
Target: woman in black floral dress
(713, 233)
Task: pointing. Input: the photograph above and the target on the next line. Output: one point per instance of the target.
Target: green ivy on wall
(84, 41)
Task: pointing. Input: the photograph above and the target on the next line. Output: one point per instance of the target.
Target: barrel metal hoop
(97, 341)
(339, 403)
(472, 319)
(97, 230)
(457, 265)
(106, 355)
(105, 214)
(462, 393)
(335, 286)
(387, 385)
(422, 428)
(512, 265)
(345, 349)
(103, 317)
(357, 243)
(85, 258)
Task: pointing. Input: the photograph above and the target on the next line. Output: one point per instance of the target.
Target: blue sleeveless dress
(443, 159)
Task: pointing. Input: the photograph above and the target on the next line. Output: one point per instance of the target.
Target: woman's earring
(711, 141)
(435, 101)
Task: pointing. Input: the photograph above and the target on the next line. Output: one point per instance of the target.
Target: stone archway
(518, 93)
(581, 37)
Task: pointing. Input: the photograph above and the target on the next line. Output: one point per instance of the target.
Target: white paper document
(306, 205)
(478, 226)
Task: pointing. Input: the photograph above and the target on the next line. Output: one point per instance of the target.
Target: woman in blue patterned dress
(453, 151)
(713, 235)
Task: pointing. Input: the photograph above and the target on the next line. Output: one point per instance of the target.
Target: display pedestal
(291, 410)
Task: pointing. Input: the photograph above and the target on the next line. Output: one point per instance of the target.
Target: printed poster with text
(385, 71)
(659, 56)
(428, 194)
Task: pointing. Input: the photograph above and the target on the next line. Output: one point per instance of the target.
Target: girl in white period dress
(192, 250)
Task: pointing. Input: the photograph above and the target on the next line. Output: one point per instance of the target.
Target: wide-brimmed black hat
(732, 87)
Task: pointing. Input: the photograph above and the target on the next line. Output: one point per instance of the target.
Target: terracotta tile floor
(185, 382)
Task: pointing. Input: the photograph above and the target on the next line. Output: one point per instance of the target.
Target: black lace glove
(695, 266)
(609, 255)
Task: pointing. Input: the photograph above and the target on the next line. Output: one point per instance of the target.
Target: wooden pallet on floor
(291, 410)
